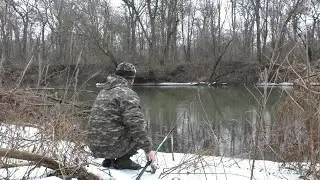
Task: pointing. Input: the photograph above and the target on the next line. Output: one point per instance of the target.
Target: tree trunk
(265, 33)
(257, 7)
(24, 39)
(152, 17)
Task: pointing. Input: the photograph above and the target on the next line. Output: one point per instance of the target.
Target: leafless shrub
(296, 131)
(42, 124)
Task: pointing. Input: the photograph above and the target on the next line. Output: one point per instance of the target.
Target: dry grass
(296, 131)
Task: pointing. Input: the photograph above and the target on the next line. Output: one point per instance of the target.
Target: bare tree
(171, 20)
(4, 31)
(152, 12)
(187, 22)
(257, 7)
(25, 10)
(158, 32)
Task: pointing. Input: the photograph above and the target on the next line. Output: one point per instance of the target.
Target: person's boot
(125, 163)
(107, 163)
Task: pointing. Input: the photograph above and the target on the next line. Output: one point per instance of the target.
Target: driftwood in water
(100, 85)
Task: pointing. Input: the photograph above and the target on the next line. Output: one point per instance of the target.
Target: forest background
(74, 44)
(168, 40)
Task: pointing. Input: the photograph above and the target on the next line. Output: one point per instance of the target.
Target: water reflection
(218, 119)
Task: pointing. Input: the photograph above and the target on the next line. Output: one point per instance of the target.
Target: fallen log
(14, 165)
(49, 163)
(41, 160)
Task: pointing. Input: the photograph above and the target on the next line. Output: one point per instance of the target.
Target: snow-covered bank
(184, 167)
(190, 166)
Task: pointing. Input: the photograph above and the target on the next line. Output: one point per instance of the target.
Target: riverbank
(227, 73)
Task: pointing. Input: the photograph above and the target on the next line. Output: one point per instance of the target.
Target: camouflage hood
(116, 81)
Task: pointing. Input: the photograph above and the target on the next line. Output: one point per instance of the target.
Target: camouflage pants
(125, 155)
(130, 153)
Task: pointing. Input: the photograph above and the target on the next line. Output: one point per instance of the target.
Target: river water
(217, 121)
(220, 119)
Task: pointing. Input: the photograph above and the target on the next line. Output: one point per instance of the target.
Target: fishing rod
(149, 162)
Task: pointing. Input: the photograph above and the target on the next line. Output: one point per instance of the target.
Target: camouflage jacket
(116, 122)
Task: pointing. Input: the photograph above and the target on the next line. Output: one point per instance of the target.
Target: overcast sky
(116, 3)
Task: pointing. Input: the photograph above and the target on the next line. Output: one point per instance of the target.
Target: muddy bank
(232, 73)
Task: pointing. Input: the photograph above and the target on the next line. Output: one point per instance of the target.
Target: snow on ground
(18, 173)
(183, 167)
(193, 167)
(198, 167)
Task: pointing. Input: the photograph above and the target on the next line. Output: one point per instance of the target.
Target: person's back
(116, 128)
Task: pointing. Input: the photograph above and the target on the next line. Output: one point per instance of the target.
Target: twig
(63, 101)
(200, 173)
(47, 88)
(23, 73)
(183, 163)
(172, 152)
